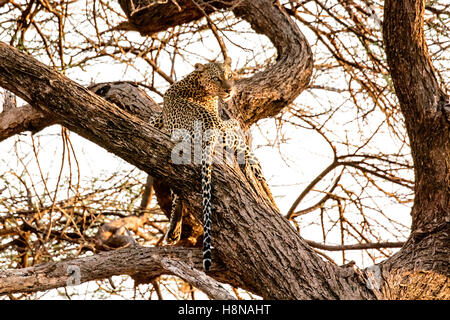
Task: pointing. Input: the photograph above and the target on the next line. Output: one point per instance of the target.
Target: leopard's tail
(207, 212)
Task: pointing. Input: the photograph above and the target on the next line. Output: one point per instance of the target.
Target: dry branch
(138, 262)
(198, 279)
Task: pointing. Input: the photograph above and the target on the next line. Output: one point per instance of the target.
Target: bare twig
(358, 246)
(214, 30)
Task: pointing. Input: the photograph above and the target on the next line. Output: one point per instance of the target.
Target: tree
(257, 248)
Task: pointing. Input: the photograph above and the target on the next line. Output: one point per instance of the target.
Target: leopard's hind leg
(176, 219)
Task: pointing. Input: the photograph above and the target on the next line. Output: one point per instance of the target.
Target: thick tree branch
(421, 268)
(409, 60)
(138, 262)
(125, 94)
(250, 236)
(197, 278)
(149, 18)
(26, 118)
(420, 98)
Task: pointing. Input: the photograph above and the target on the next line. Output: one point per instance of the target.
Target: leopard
(192, 105)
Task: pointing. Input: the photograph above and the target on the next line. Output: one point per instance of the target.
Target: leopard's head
(216, 78)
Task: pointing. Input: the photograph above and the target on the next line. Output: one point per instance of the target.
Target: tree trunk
(421, 269)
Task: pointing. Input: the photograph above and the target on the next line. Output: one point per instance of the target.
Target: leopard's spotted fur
(191, 101)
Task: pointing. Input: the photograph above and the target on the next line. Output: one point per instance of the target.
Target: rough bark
(138, 262)
(26, 118)
(421, 269)
(126, 95)
(149, 17)
(246, 227)
(420, 98)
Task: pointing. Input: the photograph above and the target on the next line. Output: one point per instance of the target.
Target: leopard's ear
(228, 60)
(199, 67)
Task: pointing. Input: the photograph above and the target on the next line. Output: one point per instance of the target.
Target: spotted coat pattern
(192, 104)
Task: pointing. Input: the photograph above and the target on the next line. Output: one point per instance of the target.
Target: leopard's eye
(217, 79)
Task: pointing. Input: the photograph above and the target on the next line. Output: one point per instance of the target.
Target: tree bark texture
(421, 100)
(422, 268)
(139, 262)
(26, 118)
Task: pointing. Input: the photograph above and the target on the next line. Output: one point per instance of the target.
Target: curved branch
(266, 93)
(421, 98)
(290, 214)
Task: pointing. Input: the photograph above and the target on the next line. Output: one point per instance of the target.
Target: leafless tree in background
(368, 77)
